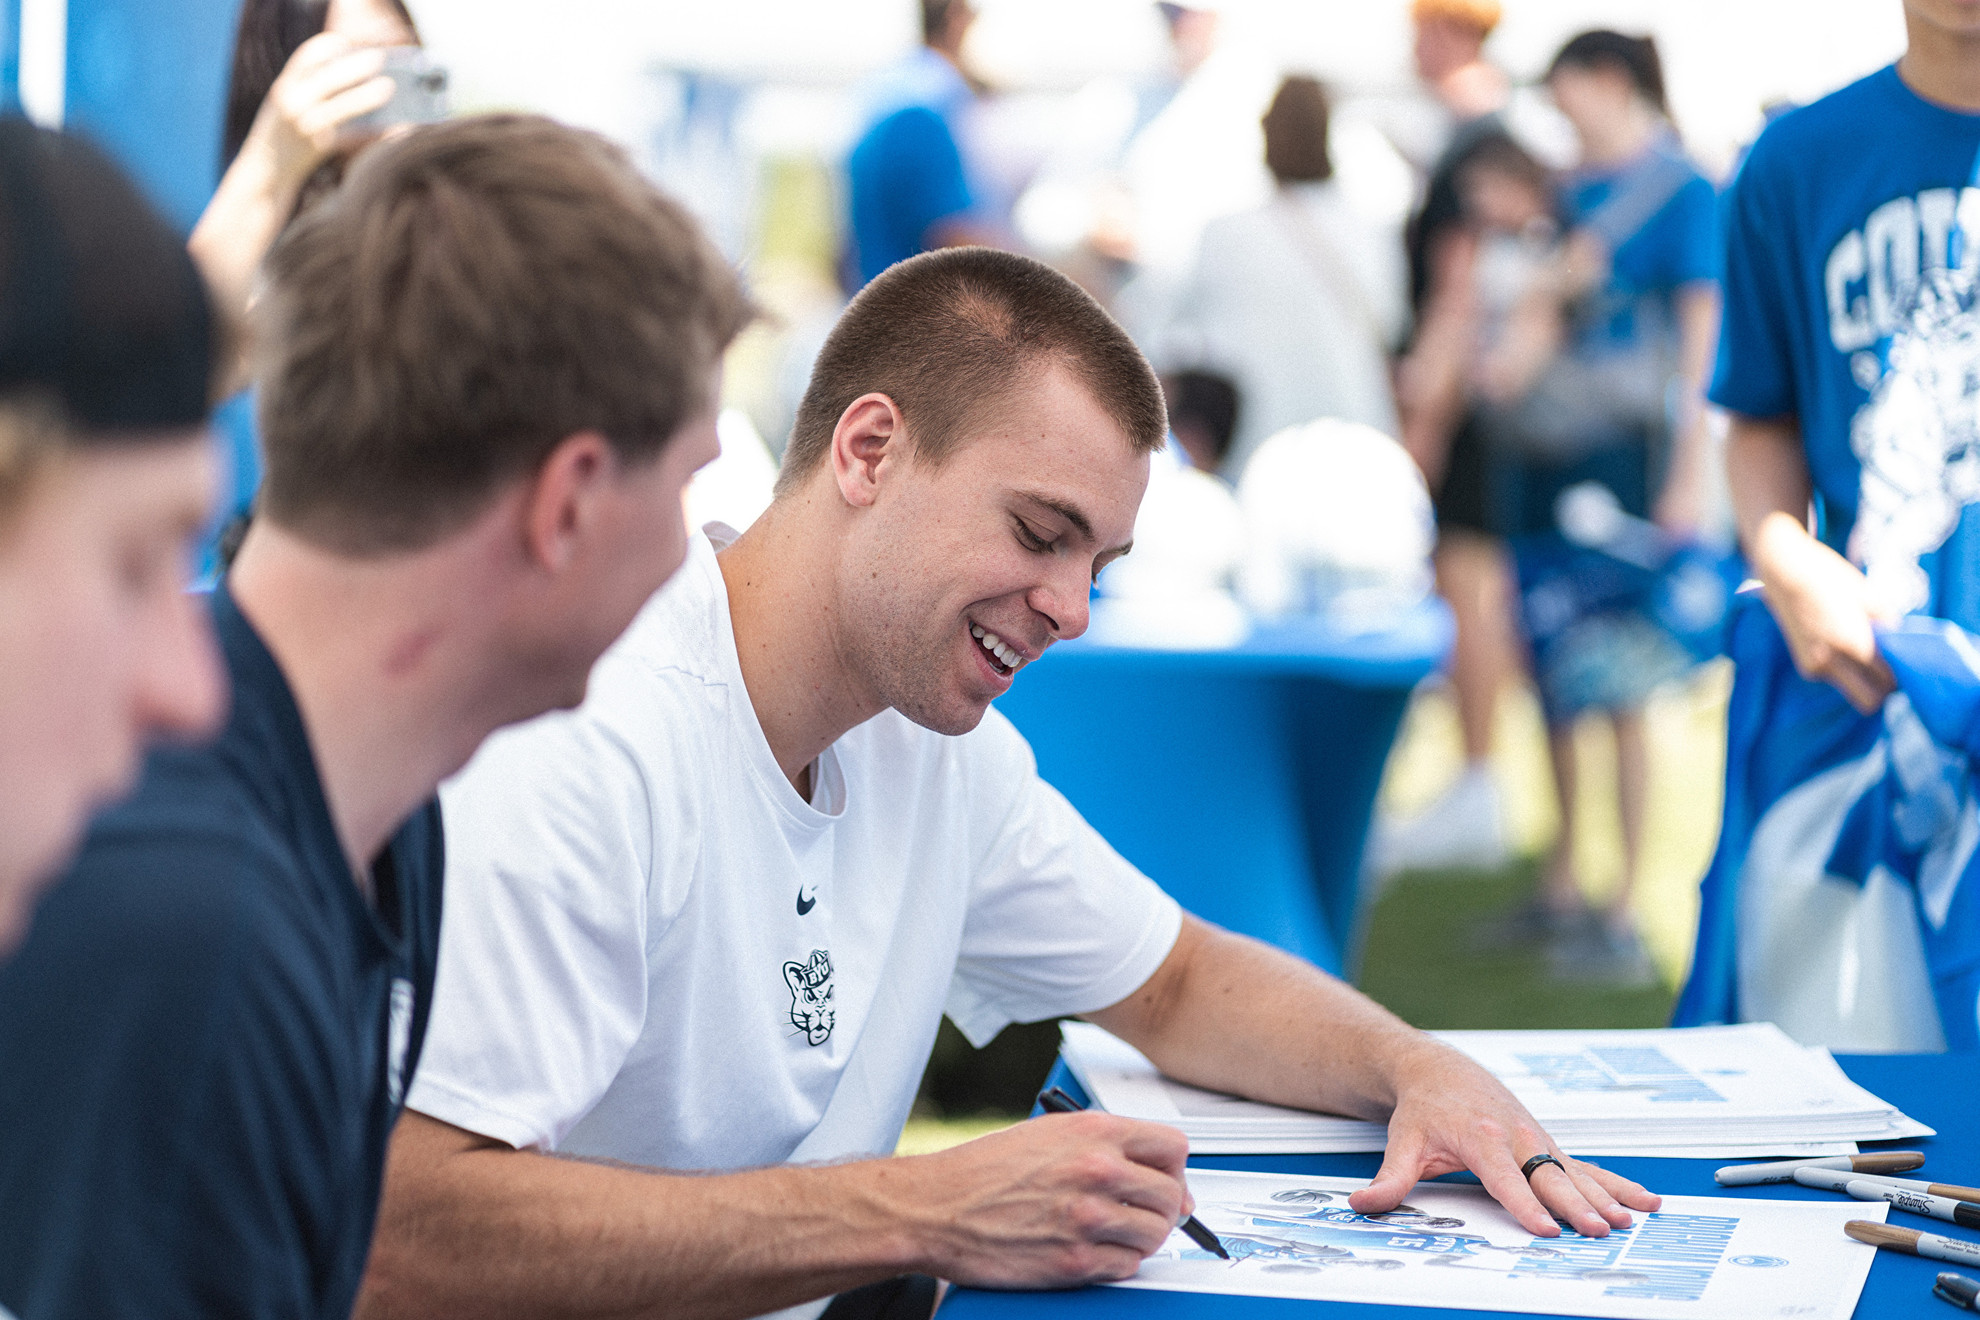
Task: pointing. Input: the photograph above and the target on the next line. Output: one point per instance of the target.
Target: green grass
(1415, 956)
(1417, 961)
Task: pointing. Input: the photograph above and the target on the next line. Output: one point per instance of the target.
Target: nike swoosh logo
(804, 905)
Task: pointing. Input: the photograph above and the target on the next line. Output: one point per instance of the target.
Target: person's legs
(1464, 827)
(1560, 889)
(1602, 948)
(1473, 579)
(1632, 801)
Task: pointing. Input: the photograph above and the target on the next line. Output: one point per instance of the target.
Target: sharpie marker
(1957, 1289)
(1838, 1180)
(1780, 1171)
(1055, 1101)
(1918, 1203)
(1914, 1243)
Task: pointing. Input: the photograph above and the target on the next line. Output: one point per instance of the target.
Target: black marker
(1054, 1101)
(1963, 1213)
(1957, 1289)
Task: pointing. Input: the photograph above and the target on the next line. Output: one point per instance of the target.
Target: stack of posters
(1450, 1245)
(1736, 1092)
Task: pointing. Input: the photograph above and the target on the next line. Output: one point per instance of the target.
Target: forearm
(1231, 1013)
(1823, 604)
(1767, 475)
(238, 227)
(1681, 502)
(468, 1228)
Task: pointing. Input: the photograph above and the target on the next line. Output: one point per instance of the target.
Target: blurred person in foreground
(1465, 826)
(909, 185)
(107, 345)
(711, 921)
(1300, 300)
(1611, 411)
(1842, 901)
(488, 365)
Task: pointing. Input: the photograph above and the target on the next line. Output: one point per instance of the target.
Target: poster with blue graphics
(1452, 1245)
(1724, 1073)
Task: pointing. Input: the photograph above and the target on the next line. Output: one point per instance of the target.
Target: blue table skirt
(1936, 1089)
(1242, 780)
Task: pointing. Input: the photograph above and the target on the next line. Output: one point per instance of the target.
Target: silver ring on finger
(1526, 1169)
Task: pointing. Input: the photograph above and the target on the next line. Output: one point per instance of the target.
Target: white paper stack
(1735, 1092)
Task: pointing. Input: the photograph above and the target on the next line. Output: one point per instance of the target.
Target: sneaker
(1531, 924)
(1463, 829)
(1602, 954)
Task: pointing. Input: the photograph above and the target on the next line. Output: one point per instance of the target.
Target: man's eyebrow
(1070, 513)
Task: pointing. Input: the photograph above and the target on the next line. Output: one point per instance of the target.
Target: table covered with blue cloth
(1936, 1089)
(1241, 780)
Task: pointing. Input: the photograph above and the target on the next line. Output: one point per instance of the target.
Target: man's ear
(868, 442)
(559, 502)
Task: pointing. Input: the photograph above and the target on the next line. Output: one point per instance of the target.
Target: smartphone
(419, 91)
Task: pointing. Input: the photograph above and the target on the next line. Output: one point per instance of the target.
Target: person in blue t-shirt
(107, 348)
(1616, 416)
(474, 481)
(1850, 363)
(909, 185)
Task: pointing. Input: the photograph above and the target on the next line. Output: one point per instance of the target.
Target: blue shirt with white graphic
(1852, 283)
(1839, 212)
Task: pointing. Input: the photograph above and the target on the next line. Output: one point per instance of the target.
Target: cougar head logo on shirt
(1918, 439)
(811, 996)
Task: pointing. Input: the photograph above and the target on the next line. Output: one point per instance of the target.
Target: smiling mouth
(1003, 658)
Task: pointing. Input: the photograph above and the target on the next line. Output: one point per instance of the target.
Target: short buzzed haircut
(951, 334)
(475, 293)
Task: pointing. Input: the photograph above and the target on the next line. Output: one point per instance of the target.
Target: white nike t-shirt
(655, 951)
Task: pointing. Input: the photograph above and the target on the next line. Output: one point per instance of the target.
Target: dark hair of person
(475, 293)
(105, 325)
(1635, 58)
(952, 334)
(1500, 153)
(934, 17)
(268, 33)
(1296, 132)
(1206, 400)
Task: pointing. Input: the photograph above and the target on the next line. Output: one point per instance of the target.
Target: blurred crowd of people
(1534, 329)
(730, 820)
(409, 922)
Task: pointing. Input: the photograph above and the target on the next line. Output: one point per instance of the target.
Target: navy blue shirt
(1851, 307)
(206, 1037)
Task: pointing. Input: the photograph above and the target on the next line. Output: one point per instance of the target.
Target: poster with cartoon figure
(1451, 1245)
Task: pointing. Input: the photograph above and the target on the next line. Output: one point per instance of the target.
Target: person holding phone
(306, 75)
